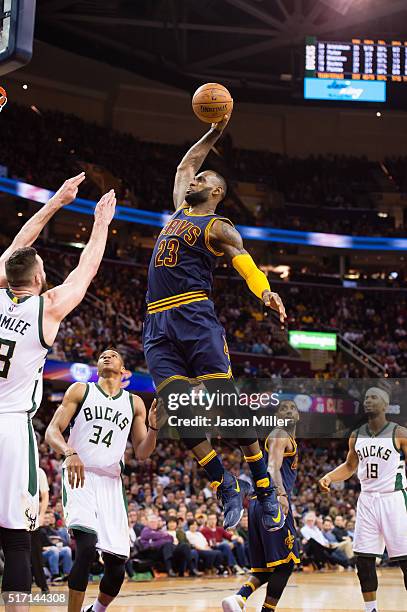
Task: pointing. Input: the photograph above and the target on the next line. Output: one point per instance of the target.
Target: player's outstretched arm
(61, 300)
(34, 226)
(143, 440)
(194, 159)
(228, 240)
(343, 471)
(64, 414)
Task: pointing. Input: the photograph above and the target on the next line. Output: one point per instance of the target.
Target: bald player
(375, 453)
(183, 338)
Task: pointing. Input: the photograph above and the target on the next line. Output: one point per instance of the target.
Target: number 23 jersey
(100, 429)
(183, 258)
(381, 468)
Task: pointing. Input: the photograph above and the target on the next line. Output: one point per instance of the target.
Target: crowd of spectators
(42, 147)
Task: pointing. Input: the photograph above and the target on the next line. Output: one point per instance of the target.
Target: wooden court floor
(306, 592)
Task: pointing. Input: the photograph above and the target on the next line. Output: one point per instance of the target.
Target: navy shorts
(187, 342)
(270, 549)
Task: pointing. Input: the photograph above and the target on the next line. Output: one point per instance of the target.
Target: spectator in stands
(231, 546)
(54, 550)
(210, 558)
(159, 544)
(184, 557)
(342, 551)
(315, 544)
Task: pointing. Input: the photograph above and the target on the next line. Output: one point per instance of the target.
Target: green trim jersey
(381, 468)
(22, 352)
(100, 429)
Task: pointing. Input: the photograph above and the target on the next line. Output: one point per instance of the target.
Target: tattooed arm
(194, 158)
(227, 239)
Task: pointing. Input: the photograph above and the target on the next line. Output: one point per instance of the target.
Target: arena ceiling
(256, 46)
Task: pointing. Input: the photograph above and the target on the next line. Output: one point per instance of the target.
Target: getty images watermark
(202, 399)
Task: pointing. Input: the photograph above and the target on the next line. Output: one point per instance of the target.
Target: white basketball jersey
(22, 352)
(100, 429)
(381, 468)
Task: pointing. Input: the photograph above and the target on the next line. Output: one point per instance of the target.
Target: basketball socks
(259, 472)
(98, 607)
(213, 467)
(247, 589)
(371, 606)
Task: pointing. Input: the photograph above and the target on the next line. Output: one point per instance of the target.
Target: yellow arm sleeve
(256, 279)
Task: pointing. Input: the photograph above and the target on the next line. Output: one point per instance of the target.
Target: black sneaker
(230, 494)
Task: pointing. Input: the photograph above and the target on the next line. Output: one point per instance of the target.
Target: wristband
(153, 428)
(70, 454)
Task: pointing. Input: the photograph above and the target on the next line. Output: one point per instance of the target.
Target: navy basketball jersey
(289, 465)
(183, 260)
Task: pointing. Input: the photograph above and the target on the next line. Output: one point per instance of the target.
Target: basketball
(211, 102)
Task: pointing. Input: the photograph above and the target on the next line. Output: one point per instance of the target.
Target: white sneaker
(234, 603)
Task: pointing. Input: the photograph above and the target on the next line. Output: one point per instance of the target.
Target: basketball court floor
(306, 592)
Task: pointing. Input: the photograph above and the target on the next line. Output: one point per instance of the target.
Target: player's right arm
(61, 300)
(193, 160)
(277, 447)
(59, 423)
(229, 241)
(343, 471)
(34, 226)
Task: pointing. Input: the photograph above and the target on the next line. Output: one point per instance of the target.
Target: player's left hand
(68, 191)
(274, 301)
(157, 416)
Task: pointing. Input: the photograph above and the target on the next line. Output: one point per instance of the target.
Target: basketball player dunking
(273, 555)
(183, 338)
(101, 415)
(381, 519)
(29, 320)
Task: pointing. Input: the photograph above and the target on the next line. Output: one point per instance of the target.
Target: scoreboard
(359, 60)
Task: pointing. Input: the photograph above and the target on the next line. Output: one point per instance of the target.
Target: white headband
(381, 393)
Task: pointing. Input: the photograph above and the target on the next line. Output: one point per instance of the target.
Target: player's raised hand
(325, 483)
(274, 301)
(105, 208)
(157, 416)
(68, 191)
(75, 470)
(220, 126)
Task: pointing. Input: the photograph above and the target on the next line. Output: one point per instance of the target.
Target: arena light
(342, 6)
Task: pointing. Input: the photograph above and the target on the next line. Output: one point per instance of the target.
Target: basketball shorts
(381, 522)
(19, 500)
(269, 549)
(187, 342)
(99, 507)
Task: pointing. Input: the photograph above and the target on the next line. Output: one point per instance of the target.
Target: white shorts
(381, 522)
(19, 500)
(99, 507)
